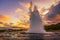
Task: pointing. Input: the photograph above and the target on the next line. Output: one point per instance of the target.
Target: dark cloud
(54, 11)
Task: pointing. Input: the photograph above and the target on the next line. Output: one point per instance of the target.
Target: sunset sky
(17, 10)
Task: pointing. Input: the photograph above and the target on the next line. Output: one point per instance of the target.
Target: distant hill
(53, 27)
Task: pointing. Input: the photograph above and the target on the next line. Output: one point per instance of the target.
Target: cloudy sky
(15, 9)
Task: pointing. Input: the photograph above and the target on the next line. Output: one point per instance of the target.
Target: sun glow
(7, 21)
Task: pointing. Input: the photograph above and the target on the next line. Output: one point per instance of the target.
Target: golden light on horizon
(1, 25)
(23, 25)
(4, 17)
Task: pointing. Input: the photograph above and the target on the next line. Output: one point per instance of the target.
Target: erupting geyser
(36, 25)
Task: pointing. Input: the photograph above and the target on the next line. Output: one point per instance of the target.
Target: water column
(36, 25)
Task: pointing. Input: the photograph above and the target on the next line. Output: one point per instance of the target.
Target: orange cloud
(18, 10)
(56, 18)
(27, 5)
(4, 17)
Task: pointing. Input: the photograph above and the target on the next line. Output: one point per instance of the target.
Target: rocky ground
(29, 36)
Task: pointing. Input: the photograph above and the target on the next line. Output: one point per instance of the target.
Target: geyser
(36, 25)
